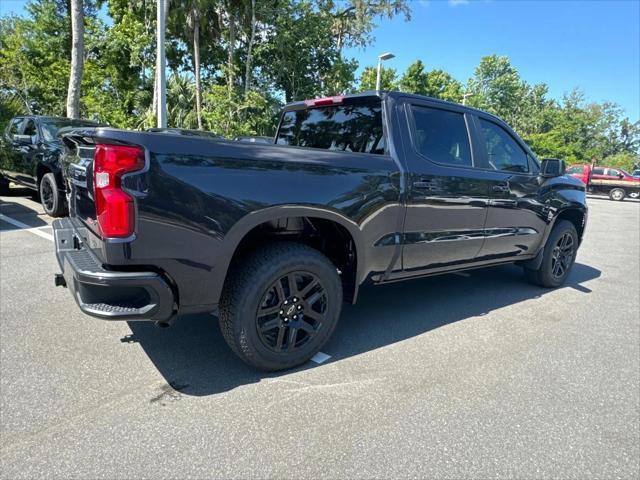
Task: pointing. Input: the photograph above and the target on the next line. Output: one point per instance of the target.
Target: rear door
(30, 153)
(516, 220)
(447, 196)
(10, 156)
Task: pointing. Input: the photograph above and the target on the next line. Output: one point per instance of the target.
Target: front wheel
(558, 256)
(51, 198)
(280, 305)
(617, 194)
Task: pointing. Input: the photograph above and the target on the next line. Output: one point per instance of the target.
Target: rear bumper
(108, 294)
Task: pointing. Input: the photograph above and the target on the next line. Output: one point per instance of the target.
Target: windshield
(354, 127)
(50, 128)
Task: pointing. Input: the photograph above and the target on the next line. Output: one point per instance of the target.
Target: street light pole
(464, 97)
(384, 56)
(160, 65)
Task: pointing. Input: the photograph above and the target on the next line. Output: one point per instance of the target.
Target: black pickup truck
(374, 187)
(29, 156)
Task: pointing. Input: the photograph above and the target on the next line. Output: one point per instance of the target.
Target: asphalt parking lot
(474, 375)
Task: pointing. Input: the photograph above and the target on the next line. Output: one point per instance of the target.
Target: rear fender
(235, 235)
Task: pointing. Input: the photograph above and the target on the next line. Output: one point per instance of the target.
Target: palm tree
(182, 94)
(77, 59)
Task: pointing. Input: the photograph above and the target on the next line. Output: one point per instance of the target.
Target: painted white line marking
(462, 274)
(320, 358)
(24, 226)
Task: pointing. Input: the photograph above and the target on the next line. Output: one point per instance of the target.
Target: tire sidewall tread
(245, 287)
(59, 208)
(543, 276)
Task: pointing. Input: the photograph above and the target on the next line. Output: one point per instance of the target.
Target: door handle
(424, 184)
(502, 188)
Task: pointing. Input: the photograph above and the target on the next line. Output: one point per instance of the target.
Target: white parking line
(320, 358)
(27, 228)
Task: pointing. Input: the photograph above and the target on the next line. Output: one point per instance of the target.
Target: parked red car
(611, 181)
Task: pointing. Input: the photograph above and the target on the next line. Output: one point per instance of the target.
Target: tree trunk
(77, 59)
(252, 38)
(230, 52)
(196, 61)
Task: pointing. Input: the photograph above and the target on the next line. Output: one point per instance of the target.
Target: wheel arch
(577, 216)
(293, 223)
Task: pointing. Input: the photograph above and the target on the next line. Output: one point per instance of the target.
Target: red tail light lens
(114, 207)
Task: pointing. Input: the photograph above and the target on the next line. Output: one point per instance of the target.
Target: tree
(300, 56)
(436, 83)
(388, 79)
(353, 20)
(77, 59)
(414, 79)
(496, 87)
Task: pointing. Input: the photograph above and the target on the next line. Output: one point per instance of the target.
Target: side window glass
(502, 150)
(612, 173)
(14, 128)
(597, 171)
(441, 136)
(576, 170)
(30, 129)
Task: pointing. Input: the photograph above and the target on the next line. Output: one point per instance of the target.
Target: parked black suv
(29, 156)
(375, 187)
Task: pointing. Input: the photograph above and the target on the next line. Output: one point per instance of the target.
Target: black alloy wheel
(562, 255)
(292, 311)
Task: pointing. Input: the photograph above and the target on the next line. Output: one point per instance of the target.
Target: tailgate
(77, 164)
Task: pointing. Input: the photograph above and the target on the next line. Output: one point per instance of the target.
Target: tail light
(114, 207)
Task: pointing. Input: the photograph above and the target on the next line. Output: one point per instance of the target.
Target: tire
(258, 318)
(51, 198)
(617, 194)
(4, 186)
(545, 275)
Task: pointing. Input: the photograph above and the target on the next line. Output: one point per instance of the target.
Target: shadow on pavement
(17, 211)
(193, 357)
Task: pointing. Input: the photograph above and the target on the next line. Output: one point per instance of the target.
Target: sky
(593, 45)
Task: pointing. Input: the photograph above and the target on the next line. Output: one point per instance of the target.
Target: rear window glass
(355, 127)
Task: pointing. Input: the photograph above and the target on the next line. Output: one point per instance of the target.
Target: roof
(51, 117)
(393, 94)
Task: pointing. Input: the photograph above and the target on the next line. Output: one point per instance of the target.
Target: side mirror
(620, 175)
(552, 167)
(23, 139)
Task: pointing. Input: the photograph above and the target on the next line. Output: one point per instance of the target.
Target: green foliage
(237, 114)
(436, 83)
(625, 160)
(253, 56)
(388, 79)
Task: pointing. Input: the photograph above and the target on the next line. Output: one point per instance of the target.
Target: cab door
(10, 154)
(447, 196)
(516, 219)
(29, 153)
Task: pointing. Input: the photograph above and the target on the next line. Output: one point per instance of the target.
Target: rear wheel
(280, 305)
(51, 198)
(558, 256)
(617, 194)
